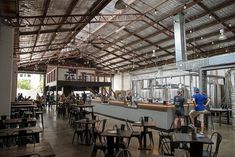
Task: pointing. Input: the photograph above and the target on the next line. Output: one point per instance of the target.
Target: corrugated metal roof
(115, 35)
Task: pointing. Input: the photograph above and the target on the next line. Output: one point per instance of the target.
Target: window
(145, 83)
(29, 75)
(21, 75)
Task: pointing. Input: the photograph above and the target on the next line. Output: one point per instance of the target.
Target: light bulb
(222, 36)
(154, 53)
(155, 11)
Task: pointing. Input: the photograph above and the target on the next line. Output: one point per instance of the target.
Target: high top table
(82, 107)
(110, 136)
(196, 143)
(220, 111)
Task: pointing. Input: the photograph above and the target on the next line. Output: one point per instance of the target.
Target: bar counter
(162, 114)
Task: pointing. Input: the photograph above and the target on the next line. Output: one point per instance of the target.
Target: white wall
(126, 81)
(122, 81)
(6, 56)
(117, 82)
(61, 73)
(14, 79)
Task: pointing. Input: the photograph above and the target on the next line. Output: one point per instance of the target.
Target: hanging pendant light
(154, 53)
(222, 35)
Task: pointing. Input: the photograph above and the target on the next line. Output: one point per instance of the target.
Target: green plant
(24, 84)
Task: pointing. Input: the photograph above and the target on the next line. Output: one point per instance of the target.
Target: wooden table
(145, 125)
(110, 135)
(43, 149)
(14, 132)
(196, 143)
(23, 106)
(11, 122)
(22, 103)
(220, 111)
(160, 156)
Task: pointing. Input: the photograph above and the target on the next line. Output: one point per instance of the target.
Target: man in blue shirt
(199, 109)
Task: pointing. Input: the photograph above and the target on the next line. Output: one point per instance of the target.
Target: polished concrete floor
(59, 134)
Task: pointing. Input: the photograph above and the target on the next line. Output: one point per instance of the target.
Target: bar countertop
(141, 105)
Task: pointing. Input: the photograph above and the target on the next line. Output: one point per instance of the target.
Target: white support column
(14, 79)
(6, 55)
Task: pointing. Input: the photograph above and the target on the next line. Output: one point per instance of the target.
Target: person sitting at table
(38, 101)
(199, 108)
(179, 109)
(63, 99)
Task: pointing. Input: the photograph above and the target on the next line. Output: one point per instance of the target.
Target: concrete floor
(59, 134)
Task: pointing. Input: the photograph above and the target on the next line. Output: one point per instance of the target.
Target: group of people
(20, 97)
(200, 102)
(75, 98)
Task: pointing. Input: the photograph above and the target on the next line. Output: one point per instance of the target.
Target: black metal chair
(99, 130)
(213, 149)
(136, 134)
(123, 153)
(99, 146)
(2, 125)
(122, 143)
(79, 130)
(167, 146)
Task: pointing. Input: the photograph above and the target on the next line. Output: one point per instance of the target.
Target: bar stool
(37, 116)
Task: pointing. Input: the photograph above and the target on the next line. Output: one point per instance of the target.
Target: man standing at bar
(179, 109)
(199, 109)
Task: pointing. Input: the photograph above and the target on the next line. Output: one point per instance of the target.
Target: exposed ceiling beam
(215, 8)
(67, 13)
(215, 16)
(166, 31)
(188, 41)
(172, 60)
(45, 9)
(93, 11)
